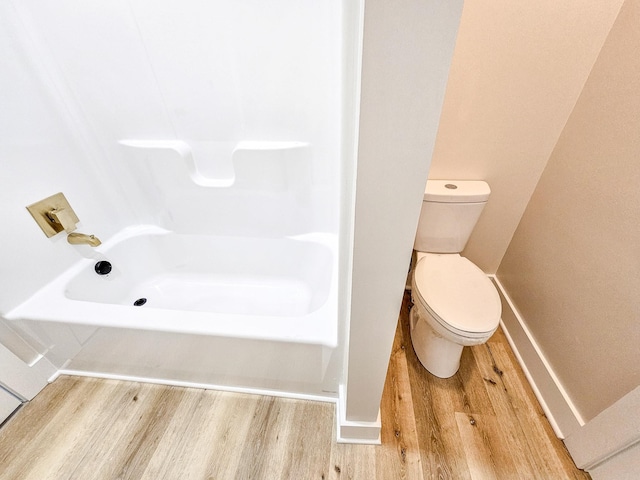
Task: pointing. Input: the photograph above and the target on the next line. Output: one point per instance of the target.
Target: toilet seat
(457, 294)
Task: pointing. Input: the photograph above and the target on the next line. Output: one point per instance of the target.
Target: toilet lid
(458, 292)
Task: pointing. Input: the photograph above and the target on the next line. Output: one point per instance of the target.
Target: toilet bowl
(455, 305)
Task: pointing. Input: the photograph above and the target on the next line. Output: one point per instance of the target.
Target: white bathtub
(221, 312)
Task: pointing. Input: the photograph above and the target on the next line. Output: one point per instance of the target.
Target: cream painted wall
(573, 266)
(517, 71)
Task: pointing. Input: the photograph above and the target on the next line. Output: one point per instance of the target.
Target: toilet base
(439, 356)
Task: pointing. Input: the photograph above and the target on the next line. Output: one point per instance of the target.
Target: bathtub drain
(140, 302)
(102, 267)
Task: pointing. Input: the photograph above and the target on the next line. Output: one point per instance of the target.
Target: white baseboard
(554, 400)
(348, 431)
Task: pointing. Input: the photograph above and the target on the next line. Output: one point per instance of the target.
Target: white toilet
(454, 302)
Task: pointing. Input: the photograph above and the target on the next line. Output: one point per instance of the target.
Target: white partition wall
(406, 56)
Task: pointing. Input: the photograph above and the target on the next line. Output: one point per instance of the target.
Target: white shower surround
(217, 129)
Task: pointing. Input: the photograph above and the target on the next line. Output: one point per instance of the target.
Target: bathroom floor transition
(483, 423)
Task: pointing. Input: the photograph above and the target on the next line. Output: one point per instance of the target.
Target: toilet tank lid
(456, 191)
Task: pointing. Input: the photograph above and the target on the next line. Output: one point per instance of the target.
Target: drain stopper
(102, 267)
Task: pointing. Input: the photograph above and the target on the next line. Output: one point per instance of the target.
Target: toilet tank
(450, 210)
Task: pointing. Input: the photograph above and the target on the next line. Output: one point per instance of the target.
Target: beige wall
(573, 266)
(517, 71)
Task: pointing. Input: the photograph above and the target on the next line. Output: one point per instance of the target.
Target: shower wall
(201, 117)
(217, 117)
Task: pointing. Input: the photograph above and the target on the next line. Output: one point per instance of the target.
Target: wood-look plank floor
(483, 423)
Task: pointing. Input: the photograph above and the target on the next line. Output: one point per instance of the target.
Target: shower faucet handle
(54, 214)
(63, 217)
